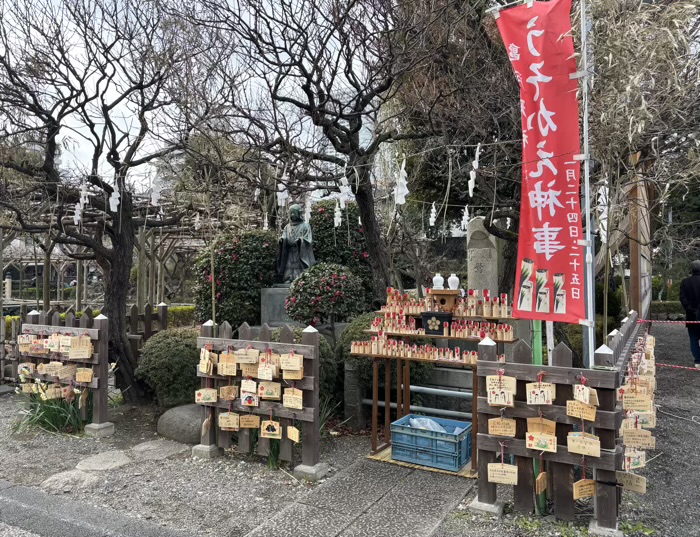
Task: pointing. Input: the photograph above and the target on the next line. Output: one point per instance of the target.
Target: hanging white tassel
(337, 215)
(472, 183)
(78, 214)
(433, 215)
(465, 218)
(155, 197)
(401, 189)
(345, 192)
(114, 200)
(475, 162)
(256, 194)
(603, 212)
(282, 196)
(197, 223)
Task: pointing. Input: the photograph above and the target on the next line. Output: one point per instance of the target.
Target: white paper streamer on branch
(471, 183)
(472, 174)
(155, 196)
(433, 215)
(337, 215)
(197, 223)
(465, 218)
(401, 188)
(603, 212)
(78, 214)
(114, 200)
(282, 196)
(266, 225)
(345, 192)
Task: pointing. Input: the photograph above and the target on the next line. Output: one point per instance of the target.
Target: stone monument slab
(482, 257)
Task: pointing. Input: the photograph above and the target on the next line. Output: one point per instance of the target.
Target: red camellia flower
(265, 245)
(210, 278)
(321, 210)
(343, 277)
(365, 255)
(218, 282)
(362, 230)
(218, 296)
(235, 257)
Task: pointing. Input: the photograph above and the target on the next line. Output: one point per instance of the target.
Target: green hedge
(181, 316)
(169, 365)
(671, 306)
(29, 293)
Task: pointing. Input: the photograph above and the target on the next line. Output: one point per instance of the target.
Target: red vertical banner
(549, 285)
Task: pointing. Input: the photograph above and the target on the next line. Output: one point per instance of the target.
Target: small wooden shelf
(460, 317)
(436, 336)
(437, 362)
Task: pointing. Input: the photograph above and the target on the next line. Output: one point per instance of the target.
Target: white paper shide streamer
(433, 215)
(114, 199)
(465, 218)
(472, 174)
(337, 215)
(401, 188)
(603, 212)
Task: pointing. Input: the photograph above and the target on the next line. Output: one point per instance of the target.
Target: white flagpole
(589, 274)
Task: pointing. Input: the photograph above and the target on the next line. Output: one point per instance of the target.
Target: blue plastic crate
(446, 451)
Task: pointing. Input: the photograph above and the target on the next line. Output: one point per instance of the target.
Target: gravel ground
(179, 492)
(671, 506)
(11, 531)
(233, 494)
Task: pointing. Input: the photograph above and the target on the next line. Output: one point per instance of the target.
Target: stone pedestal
(486, 508)
(207, 452)
(482, 258)
(272, 310)
(598, 531)
(99, 430)
(311, 473)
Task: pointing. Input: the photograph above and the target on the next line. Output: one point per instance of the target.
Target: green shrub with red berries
(243, 264)
(325, 293)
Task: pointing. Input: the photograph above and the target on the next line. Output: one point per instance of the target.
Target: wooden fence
(606, 376)
(141, 326)
(50, 322)
(220, 338)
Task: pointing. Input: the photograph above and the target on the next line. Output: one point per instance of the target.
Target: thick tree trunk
(116, 270)
(376, 247)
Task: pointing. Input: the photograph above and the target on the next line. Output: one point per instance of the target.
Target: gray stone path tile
(304, 521)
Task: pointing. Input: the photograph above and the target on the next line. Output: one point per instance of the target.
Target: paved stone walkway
(367, 499)
(371, 499)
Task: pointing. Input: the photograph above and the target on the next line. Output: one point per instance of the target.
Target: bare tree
(322, 73)
(95, 84)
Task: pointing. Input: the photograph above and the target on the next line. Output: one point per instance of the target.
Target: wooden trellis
(309, 415)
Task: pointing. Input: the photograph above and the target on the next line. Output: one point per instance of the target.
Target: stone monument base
(272, 310)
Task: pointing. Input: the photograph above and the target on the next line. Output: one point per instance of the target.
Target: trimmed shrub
(420, 371)
(670, 307)
(242, 266)
(181, 316)
(329, 382)
(345, 245)
(29, 293)
(323, 291)
(169, 366)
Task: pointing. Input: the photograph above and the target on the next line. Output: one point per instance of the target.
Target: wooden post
(162, 316)
(524, 491)
(152, 261)
(79, 285)
(563, 474)
(311, 429)
(100, 398)
(606, 491)
(487, 491)
(244, 440)
(147, 321)
(207, 447)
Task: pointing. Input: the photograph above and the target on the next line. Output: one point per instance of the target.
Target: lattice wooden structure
(221, 338)
(611, 361)
(50, 322)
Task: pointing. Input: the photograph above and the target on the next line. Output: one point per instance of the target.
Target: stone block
(207, 452)
(487, 508)
(108, 460)
(272, 308)
(352, 399)
(99, 430)
(594, 530)
(311, 473)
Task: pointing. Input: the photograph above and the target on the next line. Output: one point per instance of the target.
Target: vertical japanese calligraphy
(540, 47)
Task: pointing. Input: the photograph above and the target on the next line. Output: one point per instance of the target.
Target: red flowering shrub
(242, 265)
(324, 290)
